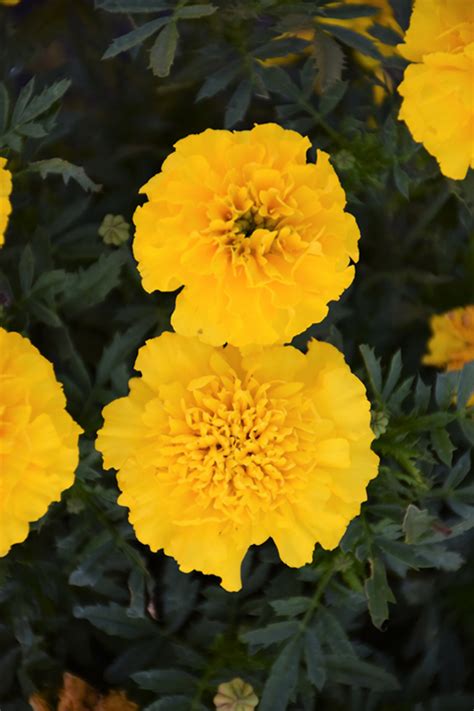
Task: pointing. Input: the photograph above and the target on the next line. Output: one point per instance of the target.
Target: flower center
(240, 444)
(247, 223)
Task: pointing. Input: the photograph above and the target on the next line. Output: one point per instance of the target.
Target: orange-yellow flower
(217, 450)
(438, 87)
(9, 2)
(258, 237)
(452, 344)
(38, 443)
(77, 695)
(5, 190)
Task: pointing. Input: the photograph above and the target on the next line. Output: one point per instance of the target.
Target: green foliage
(383, 622)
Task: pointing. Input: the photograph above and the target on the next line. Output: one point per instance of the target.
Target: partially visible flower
(438, 86)
(217, 450)
(77, 695)
(38, 443)
(114, 230)
(5, 190)
(452, 344)
(235, 695)
(249, 228)
(9, 2)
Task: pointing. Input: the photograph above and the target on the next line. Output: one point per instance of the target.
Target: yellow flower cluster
(248, 227)
(77, 695)
(5, 190)
(438, 86)
(217, 450)
(38, 445)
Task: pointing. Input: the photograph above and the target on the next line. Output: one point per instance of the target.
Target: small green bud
(114, 230)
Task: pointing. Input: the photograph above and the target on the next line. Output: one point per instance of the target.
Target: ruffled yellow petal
(5, 190)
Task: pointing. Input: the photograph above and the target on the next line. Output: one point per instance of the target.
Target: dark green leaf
(292, 607)
(135, 37)
(144, 6)
(272, 634)
(282, 679)
(27, 269)
(113, 620)
(165, 681)
(4, 107)
(459, 472)
(190, 12)
(417, 524)
(44, 101)
(163, 50)
(378, 593)
(353, 39)
(442, 445)
(466, 385)
(238, 104)
(218, 81)
(314, 659)
(355, 672)
(68, 171)
(372, 366)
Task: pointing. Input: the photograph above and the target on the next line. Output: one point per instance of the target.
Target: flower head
(5, 190)
(437, 88)
(235, 695)
(77, 695)
(258, 237)
(452, 343)
(217, 450)
(38, 439)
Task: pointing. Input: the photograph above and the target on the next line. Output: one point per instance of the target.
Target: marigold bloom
(5, 190)
(77, 695)
(248, 227)
(452, 343)
(9, 2)
(438, 88)
(38, 446)
(217, 450)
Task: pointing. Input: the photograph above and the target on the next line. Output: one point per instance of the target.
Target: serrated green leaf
(354, 40)
(238, 104)
(282, 679)
(459, 472)
(271, 634)
(163, 50)
(355, 672)
(278, 81)
(314, 659)
(165, 681)
(22, 102)
(372, 366)
(347, 12)
(291, 607)
(334, 633)
(68, 171)
(113, 620)
(192, 12)
(135, 37)
(91, 286)
(45, 314)
(445, 388)
(393, 375)
(122, 345)
(329, 58)
(41, 103)
(417, 524)
(218, 81)
(332, 96)
(442, 445)
(378, 593)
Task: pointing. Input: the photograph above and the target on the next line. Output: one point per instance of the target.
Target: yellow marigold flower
(452, 343)
(217, 450)
(38, 447)
(438, 88)
(5, 190)
(77, 695)
(9, 2)
(235, 695)
(248, 227)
